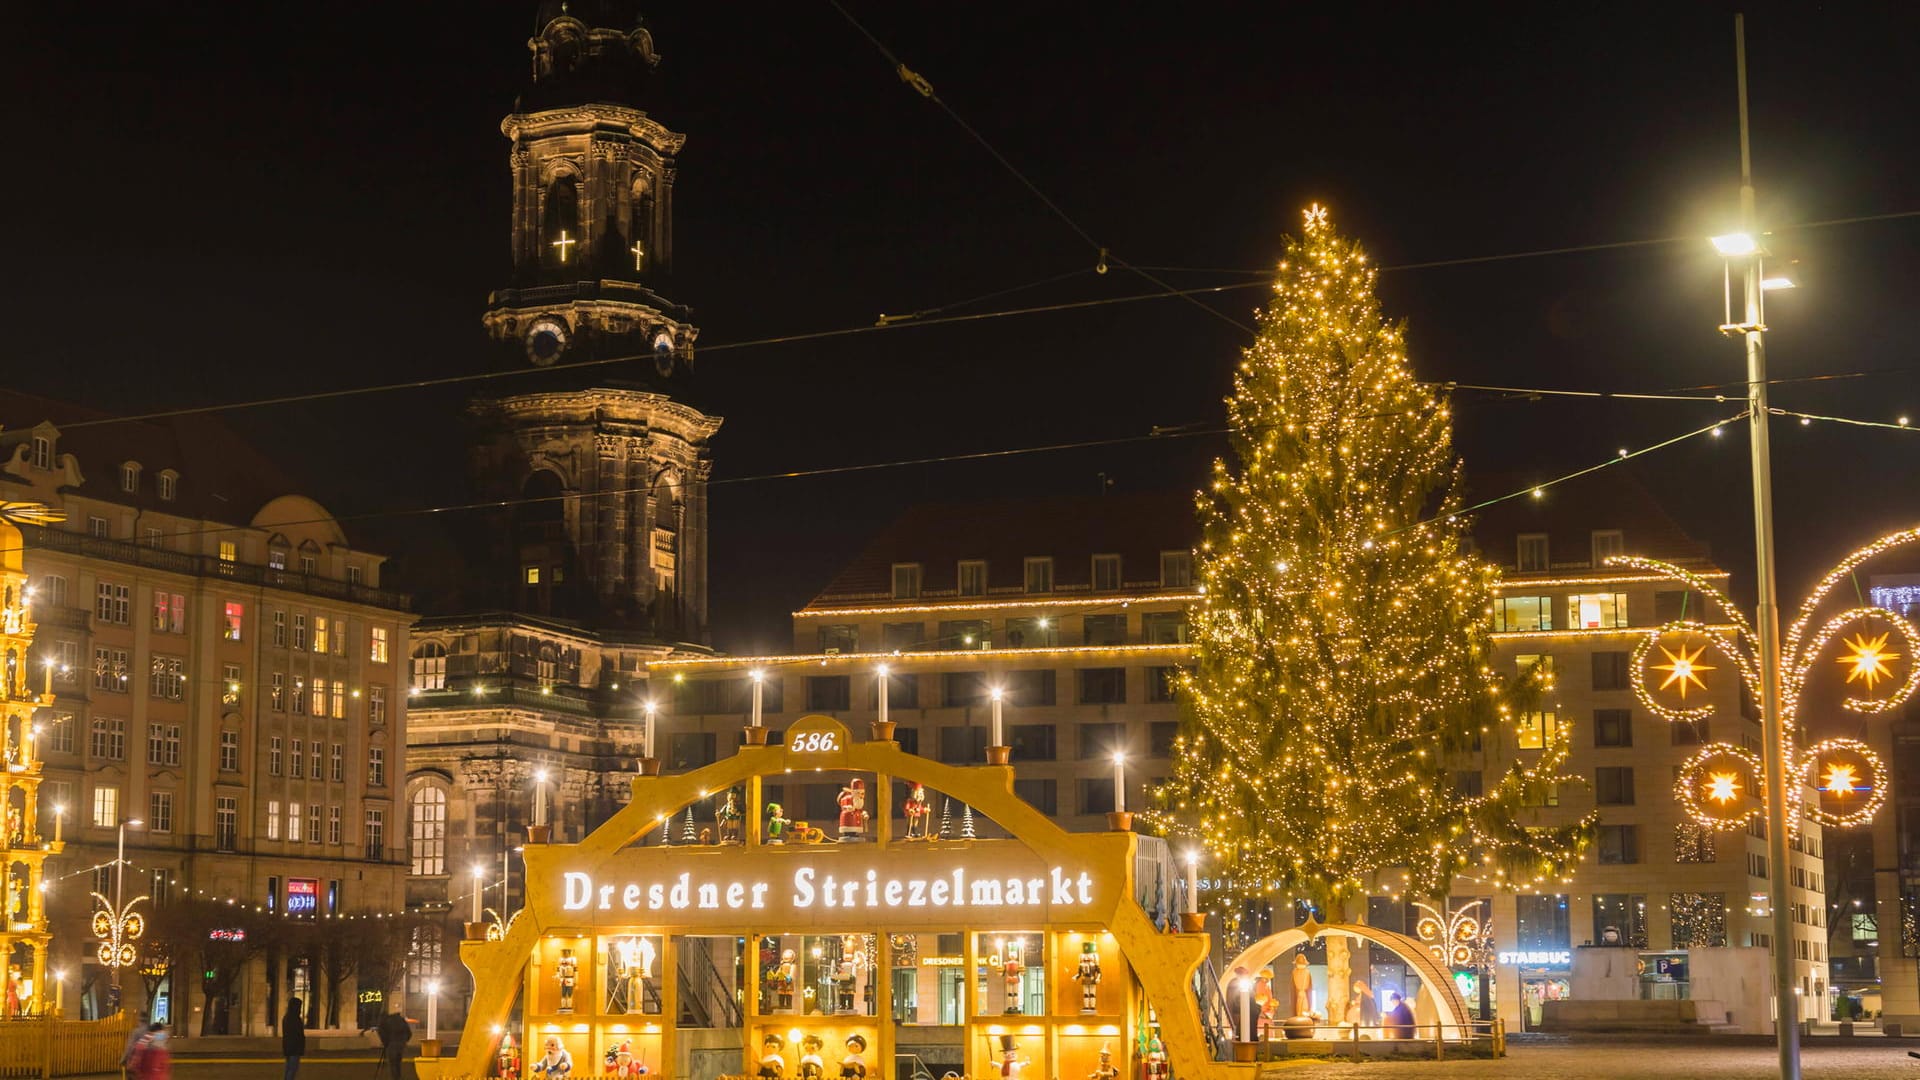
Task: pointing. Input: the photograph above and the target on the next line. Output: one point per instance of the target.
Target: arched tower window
(430, 667)
(560, 232)
(541, 543)
(428, 835)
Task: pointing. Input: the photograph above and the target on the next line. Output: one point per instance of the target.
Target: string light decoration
(117, 928)
(1342, 650)
(1875, 647)
(1458, 938)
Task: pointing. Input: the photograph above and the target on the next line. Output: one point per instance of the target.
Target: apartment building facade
(1075, 611)
(229, 683)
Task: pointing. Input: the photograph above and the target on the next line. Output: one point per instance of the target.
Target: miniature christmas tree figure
(1343, 665)
(946, 819)
(687, 833)
(966, 821)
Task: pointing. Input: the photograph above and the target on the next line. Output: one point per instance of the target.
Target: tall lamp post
(1743, 248)
(119, 875)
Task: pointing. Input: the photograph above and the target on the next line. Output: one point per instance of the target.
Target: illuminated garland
(1642, 662)
(1850, 779)
(1869, 658)
(1718, 786)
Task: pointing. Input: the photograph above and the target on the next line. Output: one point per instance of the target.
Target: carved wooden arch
(1437, 980)
(1165, 964)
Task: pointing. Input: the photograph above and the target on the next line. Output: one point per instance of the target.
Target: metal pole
(119, 868)
(1767, 623)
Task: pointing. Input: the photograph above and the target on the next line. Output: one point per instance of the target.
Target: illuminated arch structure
(618, 890)
(1437, 987)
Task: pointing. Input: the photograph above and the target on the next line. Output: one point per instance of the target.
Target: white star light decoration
(1316, 216)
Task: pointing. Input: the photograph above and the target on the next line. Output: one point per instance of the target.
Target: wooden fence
(41, 1047)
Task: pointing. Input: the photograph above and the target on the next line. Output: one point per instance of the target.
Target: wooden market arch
(1435, 979)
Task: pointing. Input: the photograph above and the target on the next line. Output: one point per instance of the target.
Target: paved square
(1536, 1057)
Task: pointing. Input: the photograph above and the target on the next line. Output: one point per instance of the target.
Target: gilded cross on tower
(564, 244)
(639, 255)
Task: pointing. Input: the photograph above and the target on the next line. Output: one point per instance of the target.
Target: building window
(1593, 611)
(353, 575)
(1531, 551)
(42, 452)
(1620, 920)
(110, 670)
(1031, 742)
(828, 693)
(279, 629)
(294, 818)
(1606, 544)
(1610, 670)
(377, 644)
(965, 634)
(226, 822)
(1160, 684)
(429, 835)
(277, 691)
(97, 527)
(1537, 729)
(1102, 740)
(109, 739)
(321, 634)
(1694, 843)
(1613, 727)
(691, 749)
(376, 767)
(903, 692)
(229, 552)
(313, 823)
(1042, 795)
(1096, 796)
(1164, 627)
(838, 638)
(376, 704)
(902, 636)
(1031, 632)
(963, 745)
(963, 689)
(1176, 569)
(296, 759)
(1038, 572)
(973, 577)
(906, 581)
(1469, 783)
(229, 751)
(1617, 844)
(1688, 732)
(299, 631)
(273, 755)
(273, 819)
(167, 484)
(167, 677)
(1024, 689)
(1523, 613)
(1104, 630)
(112, 603)
(376, 834)
(334, 830)
(319, 697)
(52, 593)
(1106, 573)
(1103, 686)
(337, 700)
(1699, 919)
(169, 613)
(60, 732)
(156, 538)
(1613, 785)
(1541, 923)
(106, 807)
(163, 744)
(423, 958)
(337, 762)
(229, 684)
(1161, 737)
(1672, 605)
(430, 667)
(130, 476)
(235, 620)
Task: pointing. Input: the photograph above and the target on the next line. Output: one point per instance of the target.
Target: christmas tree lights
(1343, 663)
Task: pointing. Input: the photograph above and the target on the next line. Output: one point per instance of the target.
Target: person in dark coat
(293, 1037)
(395, 1033)
(1398, 1020)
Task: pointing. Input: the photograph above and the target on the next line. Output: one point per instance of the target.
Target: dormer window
(130, 477)
(973, 577)
(1531, 552)
(1606, 544)
(167, 484)
(906, 581)
(42, 452)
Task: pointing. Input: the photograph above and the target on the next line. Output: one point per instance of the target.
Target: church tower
(608, 463)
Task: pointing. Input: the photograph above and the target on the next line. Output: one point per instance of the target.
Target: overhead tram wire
(919, 84)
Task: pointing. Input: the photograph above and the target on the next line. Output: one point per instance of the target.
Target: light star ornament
(1723, 787)
(1683, 669)
(1847, 775)
(1867, 660)
(1715, 786)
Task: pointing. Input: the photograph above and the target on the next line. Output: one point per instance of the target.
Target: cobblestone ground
(1599, 1058)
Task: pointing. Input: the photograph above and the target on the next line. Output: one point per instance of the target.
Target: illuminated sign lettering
(810, 888)
(218, 934)
(1539, 958)
(823, 741)
(303, 896)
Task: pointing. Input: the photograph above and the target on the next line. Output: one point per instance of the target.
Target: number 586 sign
(816, 735)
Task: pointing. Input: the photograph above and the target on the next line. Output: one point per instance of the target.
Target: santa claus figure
(853, 811)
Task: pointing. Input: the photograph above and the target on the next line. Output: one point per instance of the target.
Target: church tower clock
(606, 462)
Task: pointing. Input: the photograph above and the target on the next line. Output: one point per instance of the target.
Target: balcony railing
(121, 551)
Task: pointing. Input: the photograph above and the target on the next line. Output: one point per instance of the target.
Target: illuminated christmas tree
(1343, 660)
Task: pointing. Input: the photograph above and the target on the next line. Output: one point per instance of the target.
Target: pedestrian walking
(395, 1033)
(293, 1037)
(152, 1060)
(135, 1037)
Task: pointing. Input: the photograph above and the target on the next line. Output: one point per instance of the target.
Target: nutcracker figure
(1154, 1067)
(854, 1065)
(1088, 976)
(777, 824)
(812, 1066)
(506, 1060)
(853, 811)
(1010, 1060)
(728, 818)
(567, 971)
(843, 985)
(781, 981)
(773, 1058)
(1105, 1070)
(919, 813)
(1012, 965)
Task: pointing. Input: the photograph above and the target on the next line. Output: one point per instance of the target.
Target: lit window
(377, 644)
(320, 634)
(532, 574)
(376, 706)
(430, 667)
(1536, 730)
(273, 819)
(106, 807)
(1592, 611)
(229, 551)
(1523, 613)
(235, 620)
(429, 837)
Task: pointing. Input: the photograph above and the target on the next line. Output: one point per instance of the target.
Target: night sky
(213, 203)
